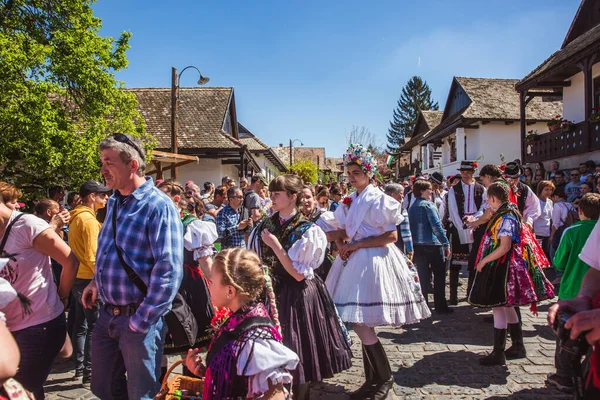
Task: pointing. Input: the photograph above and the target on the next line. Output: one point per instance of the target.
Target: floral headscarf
(360, 155)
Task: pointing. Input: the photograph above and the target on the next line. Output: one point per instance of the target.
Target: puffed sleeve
(199, 238)
(264, 361)
(308, 252)
(327, 222)
(387, 213)
(340, 215)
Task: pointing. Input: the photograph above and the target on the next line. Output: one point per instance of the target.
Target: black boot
(496, 357)
(369, 384)
(454, 275)
(517, 350)
(384, 381)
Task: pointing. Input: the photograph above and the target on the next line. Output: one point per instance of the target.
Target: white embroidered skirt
(377, 286)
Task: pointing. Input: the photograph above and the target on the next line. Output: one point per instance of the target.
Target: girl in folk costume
(324, 219)
(372, 283)
(506, 275)
(293, 247)
(198, 240)
(246, 359)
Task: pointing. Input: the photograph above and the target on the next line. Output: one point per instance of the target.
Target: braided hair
(242, 269)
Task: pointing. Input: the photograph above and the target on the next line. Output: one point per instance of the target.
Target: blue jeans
(39, 345)
(84, 321)
(117, 349)
(426, 256)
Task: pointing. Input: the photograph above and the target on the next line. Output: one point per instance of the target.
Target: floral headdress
(360, 155)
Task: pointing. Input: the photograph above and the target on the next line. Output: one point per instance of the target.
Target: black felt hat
(513, 170)
(468, 166)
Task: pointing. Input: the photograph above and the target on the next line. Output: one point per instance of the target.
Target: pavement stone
(435, 359)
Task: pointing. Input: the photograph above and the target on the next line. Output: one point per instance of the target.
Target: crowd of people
(266, 278)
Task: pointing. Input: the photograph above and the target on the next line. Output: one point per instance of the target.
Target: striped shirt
(405, 233)
(150, 235)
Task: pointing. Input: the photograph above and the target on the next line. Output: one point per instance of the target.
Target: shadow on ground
(459, 368)
(536, 393)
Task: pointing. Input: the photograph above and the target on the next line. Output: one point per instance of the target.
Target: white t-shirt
(590, 253)
(543, 224)
(30, 274)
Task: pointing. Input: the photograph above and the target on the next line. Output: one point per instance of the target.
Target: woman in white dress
(371, 282)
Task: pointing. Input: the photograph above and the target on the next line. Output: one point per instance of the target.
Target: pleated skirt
(377, 286)
(312, 329)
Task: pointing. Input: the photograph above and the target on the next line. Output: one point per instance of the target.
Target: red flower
(475, 165)
(502, 167)
(347, 201)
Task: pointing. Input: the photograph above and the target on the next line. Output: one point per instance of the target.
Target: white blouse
(199, 238)
(265, 361)
(307, 253)
(372, 213)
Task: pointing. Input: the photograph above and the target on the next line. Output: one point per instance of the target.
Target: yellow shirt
(84, 229)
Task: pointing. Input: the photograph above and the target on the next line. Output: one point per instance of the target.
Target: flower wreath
(361, 156)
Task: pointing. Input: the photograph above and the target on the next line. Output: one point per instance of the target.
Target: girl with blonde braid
(246, 358)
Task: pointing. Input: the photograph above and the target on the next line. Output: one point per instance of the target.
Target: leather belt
(125, 311)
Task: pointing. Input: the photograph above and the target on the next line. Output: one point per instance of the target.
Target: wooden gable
(587, 17)
(457, 101)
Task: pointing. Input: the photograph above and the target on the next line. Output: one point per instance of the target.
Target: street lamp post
(175, 77)
(291, 152)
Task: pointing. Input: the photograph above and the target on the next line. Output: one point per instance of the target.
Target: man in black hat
(464, 200)
(438, 196)
(523, 197)
(84, 229)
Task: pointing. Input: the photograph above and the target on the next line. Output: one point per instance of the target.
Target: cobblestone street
(436, 359)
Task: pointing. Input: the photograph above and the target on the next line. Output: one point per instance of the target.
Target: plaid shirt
(150, 235)
(227, 222)
(405, 233)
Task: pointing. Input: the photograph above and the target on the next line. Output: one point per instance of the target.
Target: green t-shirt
(567, 258)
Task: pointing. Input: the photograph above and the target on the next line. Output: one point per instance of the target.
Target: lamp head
(203, 80)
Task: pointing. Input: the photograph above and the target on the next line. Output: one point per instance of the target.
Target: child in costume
(507, 275)
(371, 282)
(294, 247)
(246, 359)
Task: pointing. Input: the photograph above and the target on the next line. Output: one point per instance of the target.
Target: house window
(452, 143)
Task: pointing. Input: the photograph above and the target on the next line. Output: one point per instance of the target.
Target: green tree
(58, 94)
(415, 97)
(306, 169)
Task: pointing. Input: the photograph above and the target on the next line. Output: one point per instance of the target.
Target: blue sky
(312, 70)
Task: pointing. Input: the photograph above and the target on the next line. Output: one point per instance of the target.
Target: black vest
(459, 195)
(522, 193)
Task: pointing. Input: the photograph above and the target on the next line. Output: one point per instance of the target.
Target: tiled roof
(497, 99)
(283, 153)
(432, 118)
(587, 43)
(302, 153)
(201, 115)
(334, 164)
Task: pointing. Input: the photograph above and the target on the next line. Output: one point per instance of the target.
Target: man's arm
(453, 209)
(405, 233)
(165, 235)
(533, 208)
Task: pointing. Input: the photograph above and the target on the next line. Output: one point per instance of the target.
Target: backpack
(572, 216)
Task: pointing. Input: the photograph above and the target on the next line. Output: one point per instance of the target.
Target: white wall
(268, 169)
(206, 170)
(574, 97)
(489, 141)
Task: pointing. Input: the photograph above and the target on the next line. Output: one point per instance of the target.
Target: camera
(575, 347)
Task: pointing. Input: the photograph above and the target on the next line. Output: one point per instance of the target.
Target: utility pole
(291, 156)
(174, 118)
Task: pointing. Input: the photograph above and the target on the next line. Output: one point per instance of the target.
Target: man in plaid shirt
(130, 330)
(231, 224)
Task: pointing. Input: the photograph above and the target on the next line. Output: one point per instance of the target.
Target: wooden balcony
(554, 145)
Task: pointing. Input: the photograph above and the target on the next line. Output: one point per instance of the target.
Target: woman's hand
(480, 265)
(194, 363)
(270, 240)
(346, 250)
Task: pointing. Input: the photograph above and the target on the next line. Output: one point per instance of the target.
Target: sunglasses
(574, 174)
(121, 138)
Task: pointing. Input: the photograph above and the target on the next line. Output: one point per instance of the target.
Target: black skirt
(311, 328)
(489, 285)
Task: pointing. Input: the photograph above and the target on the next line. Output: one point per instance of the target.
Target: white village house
(208, 129)
(572, 73)
(480, 121)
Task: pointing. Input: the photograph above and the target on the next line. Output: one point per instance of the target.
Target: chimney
(280, 144)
